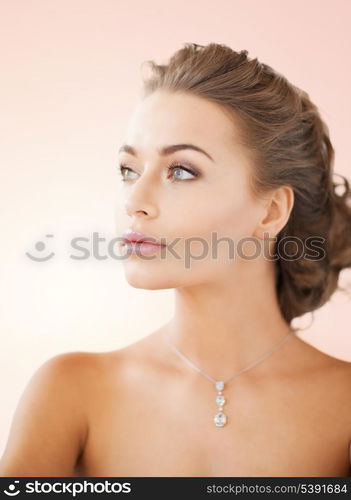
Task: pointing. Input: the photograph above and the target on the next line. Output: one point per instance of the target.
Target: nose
(139, 201)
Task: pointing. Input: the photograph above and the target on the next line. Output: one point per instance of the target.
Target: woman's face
(188, 211)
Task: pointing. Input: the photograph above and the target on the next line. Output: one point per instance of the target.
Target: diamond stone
(220, 419)
(220, 400)
(220, 385)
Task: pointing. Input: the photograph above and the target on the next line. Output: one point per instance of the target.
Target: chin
(148, 280)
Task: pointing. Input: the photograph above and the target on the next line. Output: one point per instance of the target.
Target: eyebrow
(166, 150)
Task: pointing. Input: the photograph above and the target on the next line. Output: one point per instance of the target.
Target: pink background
(70, 77)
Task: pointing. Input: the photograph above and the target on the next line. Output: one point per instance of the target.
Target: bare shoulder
(321, 362)
(305, 359)
(150, 350)
(328, 377)
(49, 426)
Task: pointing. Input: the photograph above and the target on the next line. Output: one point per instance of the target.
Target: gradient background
(70, 76)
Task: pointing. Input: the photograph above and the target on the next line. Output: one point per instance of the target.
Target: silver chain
(251, 365)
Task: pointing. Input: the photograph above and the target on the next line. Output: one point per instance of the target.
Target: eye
(123, 169)
(174, 167)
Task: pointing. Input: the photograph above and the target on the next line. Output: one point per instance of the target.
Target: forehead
(169, 117)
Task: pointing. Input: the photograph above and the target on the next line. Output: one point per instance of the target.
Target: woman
(224, 160)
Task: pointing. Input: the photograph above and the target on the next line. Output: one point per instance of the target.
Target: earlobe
(277, 213)
(264, 228)
(262, 234)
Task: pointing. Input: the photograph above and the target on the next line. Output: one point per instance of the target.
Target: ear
(277, 212)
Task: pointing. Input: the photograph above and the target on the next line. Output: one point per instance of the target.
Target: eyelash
(172, 167)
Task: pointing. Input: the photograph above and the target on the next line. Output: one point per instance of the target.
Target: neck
(223, 327)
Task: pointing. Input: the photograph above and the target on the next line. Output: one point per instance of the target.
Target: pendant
(220, 418)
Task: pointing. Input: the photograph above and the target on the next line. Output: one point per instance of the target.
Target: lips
(131, 236)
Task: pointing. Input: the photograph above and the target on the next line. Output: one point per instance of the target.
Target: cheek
(203, 228)
(225, 214)
(227, 220)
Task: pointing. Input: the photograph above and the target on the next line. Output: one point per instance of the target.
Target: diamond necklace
(220, 418)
